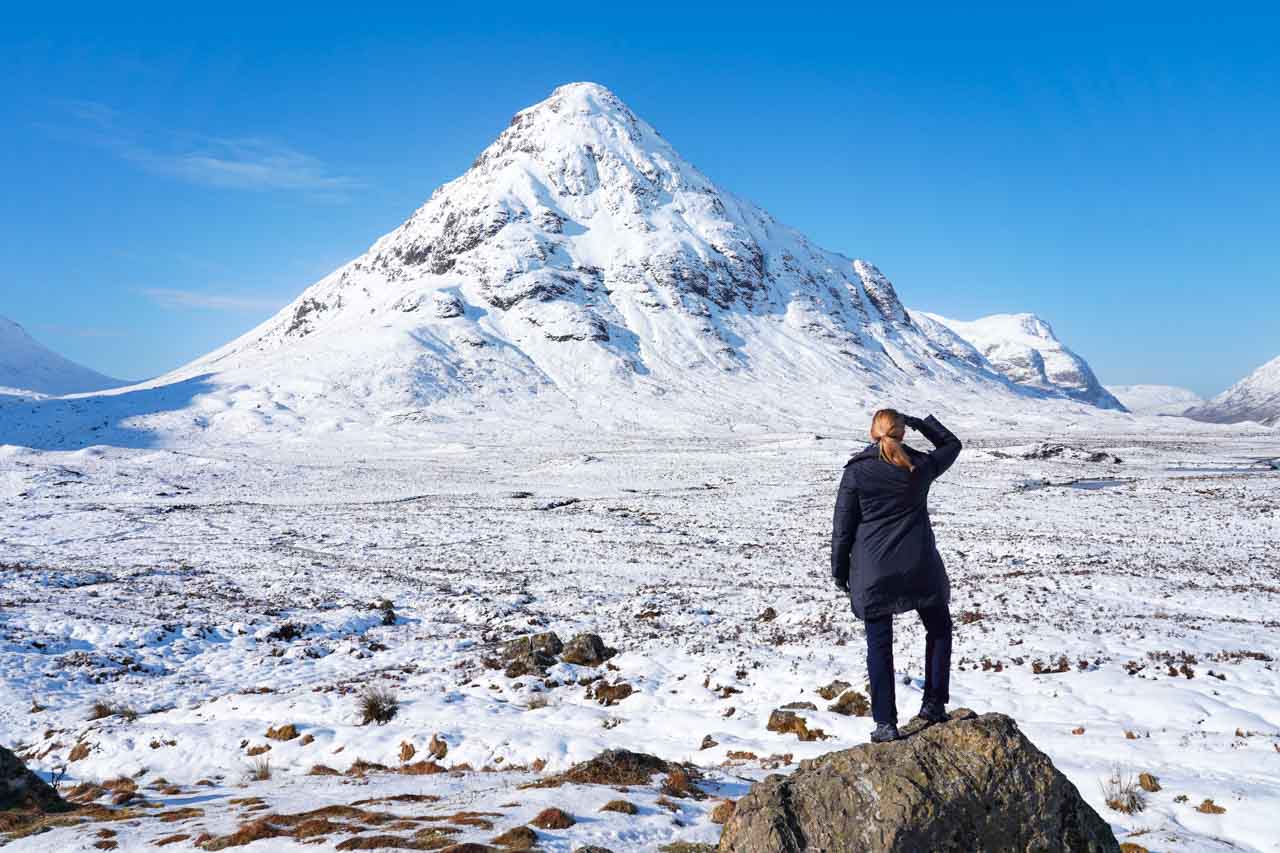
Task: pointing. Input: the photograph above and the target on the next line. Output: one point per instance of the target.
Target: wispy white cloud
(79, 331)
(242, 162)
(192, 299)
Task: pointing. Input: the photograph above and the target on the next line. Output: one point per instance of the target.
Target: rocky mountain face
(1155, 399)
(1254, 398)
(1023, 348)
(582, 264)
(27, 365)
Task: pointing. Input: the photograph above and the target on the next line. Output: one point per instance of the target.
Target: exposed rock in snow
(26, 365)
(974, 783)
(1024, 348)
(1254, 398)
(1155, 399)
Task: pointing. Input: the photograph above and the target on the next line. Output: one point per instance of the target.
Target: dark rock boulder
(22, 790)
(587, 650)
(531, 654)
(973, 783)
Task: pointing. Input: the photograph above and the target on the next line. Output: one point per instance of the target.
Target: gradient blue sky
(171, 176)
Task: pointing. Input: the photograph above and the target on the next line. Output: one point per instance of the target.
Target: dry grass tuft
(102, 710)
(1210, 807)
(259, 769)
(377, 705)
(619, 806)
(1122, 793)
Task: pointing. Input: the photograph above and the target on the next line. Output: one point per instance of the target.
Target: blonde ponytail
(888, 427)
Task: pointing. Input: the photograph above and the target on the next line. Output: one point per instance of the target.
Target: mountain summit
(582, 261)
(1254, 398)
(27, 365)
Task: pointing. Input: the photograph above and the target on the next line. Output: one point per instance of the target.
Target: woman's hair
(888, 427)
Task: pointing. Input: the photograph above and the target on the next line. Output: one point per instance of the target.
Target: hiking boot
(933, 711)
(884, 733)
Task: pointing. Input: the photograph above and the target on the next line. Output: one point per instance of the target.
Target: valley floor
(1127, 614)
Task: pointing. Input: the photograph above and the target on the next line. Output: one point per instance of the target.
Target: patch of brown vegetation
(79, 751)
(258, 750)
(307, 740)
(175, 815)
(722, 812)
(740, 755)
(399, 798)
(852, 703)
(407, 752)
(553, 818)
(609, 694)
(437, 749)
(668, 804)
(788, 722)
(422, 768)
(611, 767)
(518, 838)
(834, 689)
(619, 806)
(1149, 783)
(286, 732)
(171, 839)
(1130, 847)
(85, 792)
(322, 770)
(1210, 807)
(1078, 730)
(681, 785)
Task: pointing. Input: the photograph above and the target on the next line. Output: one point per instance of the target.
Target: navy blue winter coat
(882, 544)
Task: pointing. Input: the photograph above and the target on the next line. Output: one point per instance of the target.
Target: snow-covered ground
(155, 579)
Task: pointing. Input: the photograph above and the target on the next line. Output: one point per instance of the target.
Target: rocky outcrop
(22, 790)
(973, 783)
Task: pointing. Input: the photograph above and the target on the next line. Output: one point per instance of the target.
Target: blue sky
(172, 177)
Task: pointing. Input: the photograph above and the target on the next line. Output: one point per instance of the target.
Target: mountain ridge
(1256, 397)
(26, 365)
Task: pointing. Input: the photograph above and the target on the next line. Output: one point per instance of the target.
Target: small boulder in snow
(587, 650)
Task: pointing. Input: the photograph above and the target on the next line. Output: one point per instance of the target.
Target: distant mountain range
(1155, 399)
(1254, 398)
(1023, 348)
(28, 366)
(583, 273)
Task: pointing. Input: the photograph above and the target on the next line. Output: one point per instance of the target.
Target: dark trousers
(937, 661)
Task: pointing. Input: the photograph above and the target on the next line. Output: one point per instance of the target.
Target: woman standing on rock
(884, 556)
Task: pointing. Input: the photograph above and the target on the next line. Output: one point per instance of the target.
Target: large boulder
(972, 783)
(22, 790)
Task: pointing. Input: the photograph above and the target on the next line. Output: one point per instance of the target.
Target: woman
(884, 556)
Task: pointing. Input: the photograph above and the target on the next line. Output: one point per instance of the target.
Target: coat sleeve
(946, 447)
(844, 527)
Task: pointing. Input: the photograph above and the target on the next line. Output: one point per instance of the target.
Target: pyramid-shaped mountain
(582, 267)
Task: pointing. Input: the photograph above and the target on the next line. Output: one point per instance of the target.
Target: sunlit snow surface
(152, 578)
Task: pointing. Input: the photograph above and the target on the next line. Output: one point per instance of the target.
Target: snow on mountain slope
(1254, 398)
(580, 274)
(26, 365)
(1024, 348)
(1155, 399)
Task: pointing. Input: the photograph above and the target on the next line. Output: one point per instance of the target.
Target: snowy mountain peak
(1024, 348)
(26, 365)
(1254, 398)
(582, 263)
